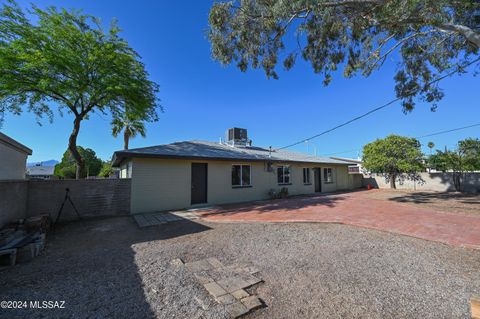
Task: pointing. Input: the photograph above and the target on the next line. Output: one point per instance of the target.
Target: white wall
(12, 163)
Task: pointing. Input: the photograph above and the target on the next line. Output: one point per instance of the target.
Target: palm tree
(130, 125)
(431, 145)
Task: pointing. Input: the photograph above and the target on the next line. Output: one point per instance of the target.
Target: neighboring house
(352, 169)
(191, 173)
(40, 172)
(13, 158)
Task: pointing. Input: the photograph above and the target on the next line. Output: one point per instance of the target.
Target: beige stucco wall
(162, 184)
(12, 163)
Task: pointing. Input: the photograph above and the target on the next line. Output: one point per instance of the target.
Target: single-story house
(40, 172)
(197, 173)
(13, 158)
(356, 166)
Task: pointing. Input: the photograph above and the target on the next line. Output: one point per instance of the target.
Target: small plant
(284, 192)
(274, 194)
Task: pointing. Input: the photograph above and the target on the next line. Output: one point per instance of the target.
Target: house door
(318, 179)
(199, 183)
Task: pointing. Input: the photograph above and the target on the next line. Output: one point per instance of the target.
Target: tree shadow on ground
(429, 197)
(91, 266)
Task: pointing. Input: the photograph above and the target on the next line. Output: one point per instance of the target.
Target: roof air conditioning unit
(237, 136)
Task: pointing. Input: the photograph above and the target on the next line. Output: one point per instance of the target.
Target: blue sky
(203, 98)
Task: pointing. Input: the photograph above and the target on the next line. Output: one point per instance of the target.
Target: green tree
(66, 59)
(465, 158)
(67, 167)
(395, 157)
(130, 125)
(106, 170)
(469, 149)
(432, 38)
(449, 161)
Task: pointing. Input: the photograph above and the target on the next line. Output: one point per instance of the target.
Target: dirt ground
(451, 202)
(110, 268)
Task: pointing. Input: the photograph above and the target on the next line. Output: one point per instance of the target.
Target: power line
(375, 109)
(418, 137)
(448, 131)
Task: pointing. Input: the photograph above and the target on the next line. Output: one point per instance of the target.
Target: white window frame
(326, 174)
(241, 185)
(283, 175)
(308, 181)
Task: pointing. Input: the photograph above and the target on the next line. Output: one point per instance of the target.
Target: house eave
(120, 156)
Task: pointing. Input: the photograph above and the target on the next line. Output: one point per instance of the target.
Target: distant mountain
(44, 163)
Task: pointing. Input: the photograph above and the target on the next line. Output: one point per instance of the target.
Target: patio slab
(159, 218)
(358, 209)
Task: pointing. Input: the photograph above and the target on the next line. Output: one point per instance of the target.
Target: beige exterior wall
(162, 184)
(13, 163)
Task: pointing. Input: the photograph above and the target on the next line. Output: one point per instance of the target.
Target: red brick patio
(357, 209)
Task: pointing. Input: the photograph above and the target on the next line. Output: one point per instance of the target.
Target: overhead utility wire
(418, 137)
(448, 131)
(375, 109)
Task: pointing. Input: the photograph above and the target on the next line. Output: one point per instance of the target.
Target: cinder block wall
(440, 182)
(13, 200)
(101, 197)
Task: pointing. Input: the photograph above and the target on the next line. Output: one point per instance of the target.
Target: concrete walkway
(357, 209)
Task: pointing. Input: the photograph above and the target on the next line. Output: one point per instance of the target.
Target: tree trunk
(72, 146)
(392, 181)
(126, 138)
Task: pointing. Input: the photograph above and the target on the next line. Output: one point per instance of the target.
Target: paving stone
(161, 219)
(251, 302)
(203, 278)
(233, 283)
(214, 289)
(236, 309)
(205, 304)
(251, 280)
(152, 221)
(215, 262)
(199, 265)
(240, 294)
(226, 299)
(141, 221)
(251, 270)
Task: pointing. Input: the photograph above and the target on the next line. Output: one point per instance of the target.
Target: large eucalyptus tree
(429, 38)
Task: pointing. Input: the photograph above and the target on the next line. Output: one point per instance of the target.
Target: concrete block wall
(440, 182)
(101, 197)
(13, 200)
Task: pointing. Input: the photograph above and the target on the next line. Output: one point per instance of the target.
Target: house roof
(220, 151)
(40, 170)
(350, 160)
(14, 144)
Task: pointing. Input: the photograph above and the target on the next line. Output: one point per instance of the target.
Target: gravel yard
(112, 268)
(461, 203)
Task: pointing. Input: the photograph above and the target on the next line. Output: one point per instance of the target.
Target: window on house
(241, 175)
(283, 174)
(128, 170)
(306, 176)
(328, 175)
